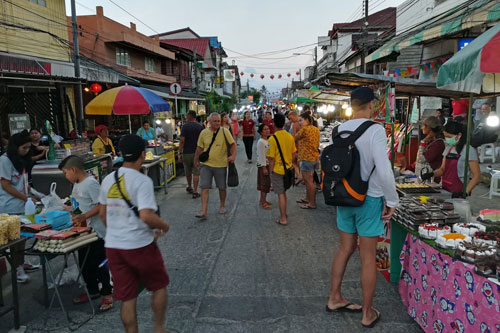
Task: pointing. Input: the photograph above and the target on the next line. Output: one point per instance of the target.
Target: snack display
(473, 251)
(432, 230)
(490, 215)
(415, 188)
(10, 228)
(468, 229)
(487, 237)
(63, 241)
(451, 240)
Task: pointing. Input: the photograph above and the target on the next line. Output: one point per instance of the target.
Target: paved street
(242, 272)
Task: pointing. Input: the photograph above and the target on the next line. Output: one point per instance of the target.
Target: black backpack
(340, 162)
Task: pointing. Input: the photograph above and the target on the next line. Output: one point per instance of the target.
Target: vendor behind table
(430, 151)
(102, 144)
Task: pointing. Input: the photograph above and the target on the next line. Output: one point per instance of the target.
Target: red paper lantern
(95, 88)
(251, 75)
(242, 73)
(297, 73)
(262, 76)
(272, 77)
(288, 74)
(280, 76)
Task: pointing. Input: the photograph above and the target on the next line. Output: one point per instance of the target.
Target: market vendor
(38, 149)
(453, 165)
(146, 132)
(13, 186)
(102, 144)
(430, 152)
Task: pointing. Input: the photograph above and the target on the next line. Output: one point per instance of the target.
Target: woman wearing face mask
(14, 185)
(453, 166)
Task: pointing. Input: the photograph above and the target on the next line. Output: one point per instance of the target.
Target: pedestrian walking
(293, 117)
(263, 172)
(308, 141)
(248, 130)
(128, 210)
(85, 200)
(269, 122)
(236, 126)
(214, 144)
(282, 152)
(190, 133)
(365, 221)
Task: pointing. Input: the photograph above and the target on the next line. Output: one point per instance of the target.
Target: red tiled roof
(385, 17)
(201, 44)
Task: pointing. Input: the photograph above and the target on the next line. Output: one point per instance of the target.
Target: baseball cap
(100, 128)
(131, 146)
(363, 95)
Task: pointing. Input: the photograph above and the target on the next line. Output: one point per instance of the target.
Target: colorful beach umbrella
(126, 100)
(475, 68)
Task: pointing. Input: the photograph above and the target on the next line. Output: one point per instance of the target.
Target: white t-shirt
(124, 229)
(262, 147)
(320, 122)
(8, 203)
(85, 195)
(372, 150)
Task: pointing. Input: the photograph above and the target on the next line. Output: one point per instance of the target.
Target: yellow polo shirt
(98, 146)
(218, 153)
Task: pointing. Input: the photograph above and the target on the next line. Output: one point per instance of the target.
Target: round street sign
(175, 88)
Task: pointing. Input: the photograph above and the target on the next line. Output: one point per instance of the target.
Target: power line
(114, 3)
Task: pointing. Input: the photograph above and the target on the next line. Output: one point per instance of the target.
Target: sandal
(281, 223)
(196, 195)
(345, 308)
(106, 304)
(189, 189)
(223, 211)
(307, 206)
(265, 206)
(375, 321)
(84, 298)
(201, 217)
(302, 201)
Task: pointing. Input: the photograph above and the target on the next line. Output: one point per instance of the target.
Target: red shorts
(129, 267)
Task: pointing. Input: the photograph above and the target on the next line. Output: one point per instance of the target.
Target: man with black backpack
(360, 182)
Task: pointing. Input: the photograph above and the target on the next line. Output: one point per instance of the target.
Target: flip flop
(307, 207)
(222, 211)
(279, 222)
(344, 308)
(189, 189)
(83, 298)
(302, 201)
(201, 217)
(373, 323)
(196, 195)
(265, 206)
(105, 302)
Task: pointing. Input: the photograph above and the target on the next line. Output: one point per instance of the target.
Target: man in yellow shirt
(102, 143)
(287, 144)
(215, 140)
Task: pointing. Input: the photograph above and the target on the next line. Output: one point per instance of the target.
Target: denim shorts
(307, 166)
(366, 220)
(207, 173)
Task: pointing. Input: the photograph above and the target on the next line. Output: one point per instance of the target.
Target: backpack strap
(361, 129)
(129, 204)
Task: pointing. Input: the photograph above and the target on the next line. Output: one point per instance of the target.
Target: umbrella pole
(129, 125)
(467, 147)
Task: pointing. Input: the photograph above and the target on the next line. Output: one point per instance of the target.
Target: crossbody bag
(206, 154)
(289, 176)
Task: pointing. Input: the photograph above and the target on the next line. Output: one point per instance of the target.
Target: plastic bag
(52, 202)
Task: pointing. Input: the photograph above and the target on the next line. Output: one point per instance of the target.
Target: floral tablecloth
(445, 295)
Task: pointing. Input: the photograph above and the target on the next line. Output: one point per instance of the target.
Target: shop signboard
(19, 123)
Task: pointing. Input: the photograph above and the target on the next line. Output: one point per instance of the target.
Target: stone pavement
(242, 272)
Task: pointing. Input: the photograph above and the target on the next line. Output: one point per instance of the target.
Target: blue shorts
(366, 220)
(307, 166)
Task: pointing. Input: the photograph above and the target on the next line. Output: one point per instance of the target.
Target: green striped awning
(455, 20)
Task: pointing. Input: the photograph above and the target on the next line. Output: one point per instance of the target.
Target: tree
(220, 104)
(263, 89)
(256, 96)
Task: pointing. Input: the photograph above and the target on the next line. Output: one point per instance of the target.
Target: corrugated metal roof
(201, 44)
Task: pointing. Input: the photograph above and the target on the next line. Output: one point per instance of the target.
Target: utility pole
(195, 68)
(220, 70)
(300, 74)
(363, 43)
(76, 60)
(315, 62)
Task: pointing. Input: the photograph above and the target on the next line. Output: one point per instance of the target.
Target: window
(149, 64)
(39, 2)
(122, 57)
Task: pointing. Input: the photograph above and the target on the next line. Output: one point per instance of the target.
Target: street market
(379, 164)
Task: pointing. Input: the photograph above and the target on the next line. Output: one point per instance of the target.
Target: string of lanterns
(272, 76)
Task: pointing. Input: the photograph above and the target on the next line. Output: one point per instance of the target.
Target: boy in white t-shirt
(128, 209)
(85, 204)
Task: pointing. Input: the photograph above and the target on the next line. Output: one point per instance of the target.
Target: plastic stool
(482, 154)
(494, 185)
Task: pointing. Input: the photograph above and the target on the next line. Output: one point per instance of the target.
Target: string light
(348, 112)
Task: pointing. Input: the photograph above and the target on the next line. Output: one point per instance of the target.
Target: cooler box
(57, 219)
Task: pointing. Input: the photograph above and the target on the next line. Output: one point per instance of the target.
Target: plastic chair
(495, 184)
(483, 150)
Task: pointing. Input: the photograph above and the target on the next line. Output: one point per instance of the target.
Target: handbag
(289, 176)
(206, 154)
(232, 173)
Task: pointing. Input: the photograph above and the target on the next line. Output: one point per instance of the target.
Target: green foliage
(256, 96)
(220, 104)
(263, 89)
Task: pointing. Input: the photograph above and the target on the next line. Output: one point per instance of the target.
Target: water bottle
(29, 210)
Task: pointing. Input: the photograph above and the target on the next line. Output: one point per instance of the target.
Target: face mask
(451, 141)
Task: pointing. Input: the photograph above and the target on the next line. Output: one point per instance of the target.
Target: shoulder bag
(232, 173)
(289, 176)
(206, 154)
(129, 204)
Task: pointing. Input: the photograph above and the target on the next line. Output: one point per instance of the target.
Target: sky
(245, 28)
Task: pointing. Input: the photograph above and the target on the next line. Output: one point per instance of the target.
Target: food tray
(417, 190)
